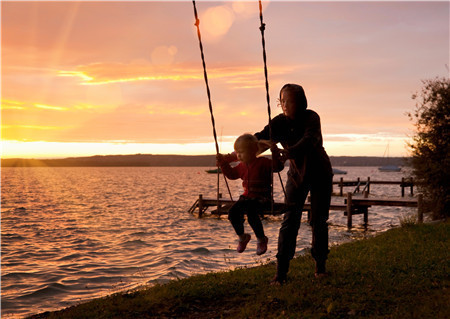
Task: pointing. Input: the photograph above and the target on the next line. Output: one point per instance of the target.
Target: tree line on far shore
(177, 160)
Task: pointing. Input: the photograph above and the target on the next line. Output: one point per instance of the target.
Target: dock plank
(405, 202)
(278, 208)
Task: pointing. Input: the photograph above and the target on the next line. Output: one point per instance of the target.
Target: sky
(116, 77)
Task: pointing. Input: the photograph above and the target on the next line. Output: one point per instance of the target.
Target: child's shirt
(256, 177)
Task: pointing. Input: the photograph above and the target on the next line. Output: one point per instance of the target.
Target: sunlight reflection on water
(72, 234)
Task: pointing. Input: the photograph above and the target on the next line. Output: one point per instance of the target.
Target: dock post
(349, 211)
(341, 185)
(420, 208)
(366, 216)
(200, 205)
(219, 205)
(357, 186)
(368, 185)
(403, 187)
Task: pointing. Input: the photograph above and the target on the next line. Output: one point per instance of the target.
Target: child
(256, 175)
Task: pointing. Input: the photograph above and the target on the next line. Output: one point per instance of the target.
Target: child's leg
(255, 223)
(236, 217)
(254, 220)
(253, 207)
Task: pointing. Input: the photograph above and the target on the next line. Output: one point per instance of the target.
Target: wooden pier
(362, 186)
(351, 206)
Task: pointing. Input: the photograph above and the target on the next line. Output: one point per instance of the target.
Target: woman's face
(288, 103)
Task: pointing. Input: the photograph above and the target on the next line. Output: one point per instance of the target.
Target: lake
(73, 234)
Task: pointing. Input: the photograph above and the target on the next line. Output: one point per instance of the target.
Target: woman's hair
(300, 97)
(248, 140)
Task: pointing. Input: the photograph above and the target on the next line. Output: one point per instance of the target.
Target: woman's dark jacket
(302, 138)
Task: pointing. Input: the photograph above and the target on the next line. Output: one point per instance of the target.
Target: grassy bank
(402, 273)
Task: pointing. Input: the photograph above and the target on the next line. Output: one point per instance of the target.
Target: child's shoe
(261, 246)
(243, 243)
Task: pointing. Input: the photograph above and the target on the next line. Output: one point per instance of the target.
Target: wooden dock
(364, 203)
(361, 185)
(351, 206)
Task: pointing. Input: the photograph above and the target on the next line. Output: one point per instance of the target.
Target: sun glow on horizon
(335, 145)
(45, 150)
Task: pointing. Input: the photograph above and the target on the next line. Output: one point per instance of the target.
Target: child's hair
(299, 94)
(248, 141)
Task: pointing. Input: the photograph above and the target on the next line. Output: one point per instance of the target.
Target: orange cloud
(49, 107)
(108, 73)
(12, 105)
(30, 132)
(34, 127)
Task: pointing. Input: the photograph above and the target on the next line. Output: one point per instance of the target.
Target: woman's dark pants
(320, 189)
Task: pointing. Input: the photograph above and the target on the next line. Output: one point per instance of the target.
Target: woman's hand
(278, 154)
(285, 154)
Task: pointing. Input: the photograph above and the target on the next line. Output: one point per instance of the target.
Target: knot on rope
(262, 27)
(197, 22)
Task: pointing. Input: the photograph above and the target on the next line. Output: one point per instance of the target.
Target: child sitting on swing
(256, 175)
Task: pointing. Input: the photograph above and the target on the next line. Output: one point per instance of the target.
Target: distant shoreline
(149, 160)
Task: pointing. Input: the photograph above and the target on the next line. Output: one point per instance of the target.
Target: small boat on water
(213, 171)
(337, 171)
(389, 168)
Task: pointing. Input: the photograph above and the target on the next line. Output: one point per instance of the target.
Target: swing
(262, 29)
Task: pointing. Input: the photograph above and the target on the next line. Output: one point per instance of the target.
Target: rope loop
(263, 41)
(208, 93)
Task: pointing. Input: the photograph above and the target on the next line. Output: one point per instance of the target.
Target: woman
(299, 132)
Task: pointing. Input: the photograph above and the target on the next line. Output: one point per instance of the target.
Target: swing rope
(262, 29)
(205, 75)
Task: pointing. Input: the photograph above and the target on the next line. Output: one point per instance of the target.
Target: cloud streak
(107, 73)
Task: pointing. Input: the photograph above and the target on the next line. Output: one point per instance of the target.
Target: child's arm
(230, 157)
(223, 161)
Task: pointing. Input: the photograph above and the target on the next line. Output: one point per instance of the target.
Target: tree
(430, 146)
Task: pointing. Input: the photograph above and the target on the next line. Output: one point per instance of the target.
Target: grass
(402, 273)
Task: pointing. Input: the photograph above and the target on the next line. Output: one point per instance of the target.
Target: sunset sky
(96, 78)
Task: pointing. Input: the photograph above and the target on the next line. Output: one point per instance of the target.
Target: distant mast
(388, 167)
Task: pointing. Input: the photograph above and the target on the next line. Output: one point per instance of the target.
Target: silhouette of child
(256, 175)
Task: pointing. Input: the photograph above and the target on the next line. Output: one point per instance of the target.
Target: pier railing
(353, 205)
(361, 185)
